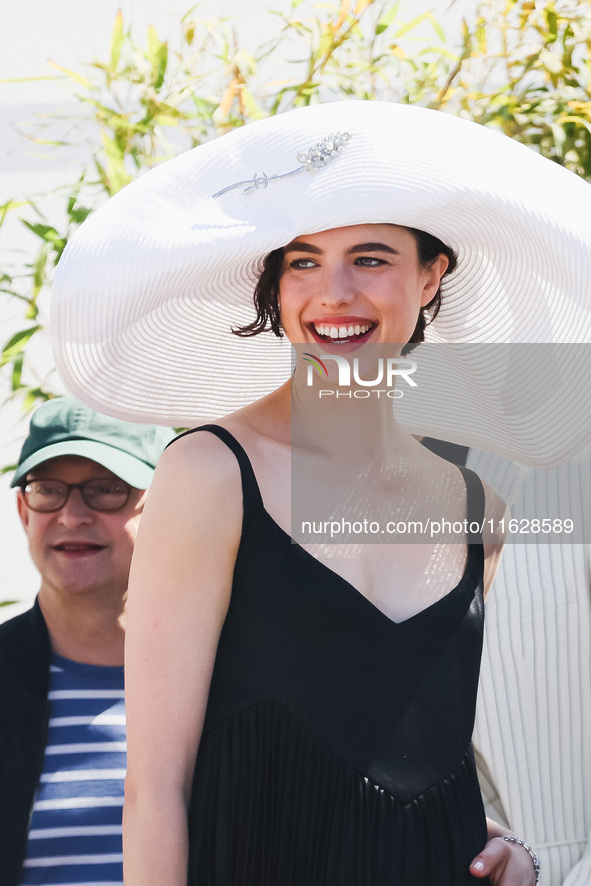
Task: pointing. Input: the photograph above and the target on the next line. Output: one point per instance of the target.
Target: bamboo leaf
(117, 175)
(189, 32)
(39, 268)
(386, 20)
(480, 34)
(466, 37)
(251, 106)
(362, 5)
(117, 38)
(11, 204)
(559, 135)
(31, 398)
(54, 143)
(227, 99)
(32, 311)
(437, 28)
(159, 67)
(15, 345)
(551, 61)
(72, 74)
(342, 16)
(411, 24)
(29, 79)
(45, 232)
(17, 372)
(153, 43)
(326, 44)
(580, 121)
(204, 107)
(75, 213)
(157, 55)
(36, 209)
(397, 51)
(167, 119)
(102, 172)
(552, 21)
(13, 294)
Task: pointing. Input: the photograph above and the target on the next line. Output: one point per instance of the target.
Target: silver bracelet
(509, 838)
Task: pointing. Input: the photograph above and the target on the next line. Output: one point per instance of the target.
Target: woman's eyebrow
(372, 247)
(300, 246)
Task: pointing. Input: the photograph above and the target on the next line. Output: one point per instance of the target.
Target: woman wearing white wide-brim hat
(301, 713)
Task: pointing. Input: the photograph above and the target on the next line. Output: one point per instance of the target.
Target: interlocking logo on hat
(313, 159)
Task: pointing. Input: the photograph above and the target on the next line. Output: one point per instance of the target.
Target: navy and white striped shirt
(75, 833)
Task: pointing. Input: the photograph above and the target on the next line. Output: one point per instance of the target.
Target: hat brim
(149, 288)
(123, 465)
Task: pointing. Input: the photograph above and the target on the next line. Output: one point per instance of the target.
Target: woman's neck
(348, 421)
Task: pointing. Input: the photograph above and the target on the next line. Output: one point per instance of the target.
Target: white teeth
(341, 331)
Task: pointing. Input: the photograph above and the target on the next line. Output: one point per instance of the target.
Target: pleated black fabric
(336, 745)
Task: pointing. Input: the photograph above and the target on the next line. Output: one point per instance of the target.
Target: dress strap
(251, 494)
(452, 452)
(475, 503)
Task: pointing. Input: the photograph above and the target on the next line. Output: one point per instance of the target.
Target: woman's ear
(433, 275)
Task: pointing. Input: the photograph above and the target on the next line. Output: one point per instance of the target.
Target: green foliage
(528, 74)
(520, 66)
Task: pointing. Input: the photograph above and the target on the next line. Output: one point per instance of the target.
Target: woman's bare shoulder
(198, 456)
(190, 531)
(496, 513)
(196, 485)
(496, 521)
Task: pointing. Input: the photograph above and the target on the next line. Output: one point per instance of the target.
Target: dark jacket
(24, 713)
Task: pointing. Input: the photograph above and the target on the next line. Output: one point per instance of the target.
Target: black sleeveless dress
(336, 745)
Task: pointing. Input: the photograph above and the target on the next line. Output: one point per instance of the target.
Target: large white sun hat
(150, 287)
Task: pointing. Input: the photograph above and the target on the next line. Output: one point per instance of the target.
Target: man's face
(78, 550)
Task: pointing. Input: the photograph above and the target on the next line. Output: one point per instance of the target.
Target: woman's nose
(338, 286)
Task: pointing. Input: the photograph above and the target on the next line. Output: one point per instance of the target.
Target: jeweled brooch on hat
(312, 160)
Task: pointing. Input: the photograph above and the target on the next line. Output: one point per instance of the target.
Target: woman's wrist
(511, 838)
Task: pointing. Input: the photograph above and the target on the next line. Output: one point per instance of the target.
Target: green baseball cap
(64, 426)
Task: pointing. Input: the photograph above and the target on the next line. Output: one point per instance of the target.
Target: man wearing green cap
(82, 479)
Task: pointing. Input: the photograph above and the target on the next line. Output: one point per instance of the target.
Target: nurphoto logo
(386, 373)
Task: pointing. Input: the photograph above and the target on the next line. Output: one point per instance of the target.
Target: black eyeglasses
(47, 496)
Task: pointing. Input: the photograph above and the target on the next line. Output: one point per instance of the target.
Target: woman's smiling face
(357, 284)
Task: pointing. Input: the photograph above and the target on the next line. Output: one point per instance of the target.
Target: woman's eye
(369, 261)
(301, 264)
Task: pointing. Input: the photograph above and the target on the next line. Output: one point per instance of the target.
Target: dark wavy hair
(266, 293)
